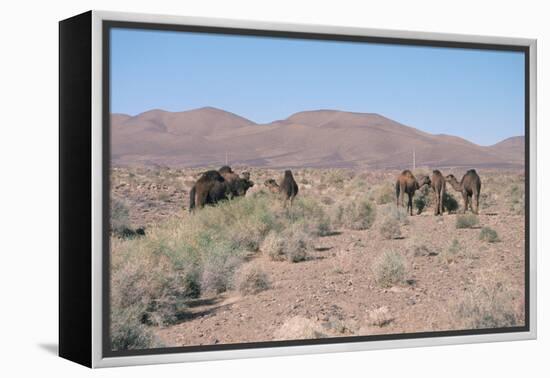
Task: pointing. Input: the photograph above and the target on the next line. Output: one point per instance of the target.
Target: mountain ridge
(312, 138)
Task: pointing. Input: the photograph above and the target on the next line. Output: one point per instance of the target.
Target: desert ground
(344, 260)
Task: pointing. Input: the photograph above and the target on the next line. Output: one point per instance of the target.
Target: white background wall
(28, 190)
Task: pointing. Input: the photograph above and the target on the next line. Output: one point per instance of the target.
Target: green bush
(384, 194)
(466, 221)
(423, 199)
(389, 269)
(489, 235)
(291, 244)
(449, 203)
(357, 215)
(128, 332)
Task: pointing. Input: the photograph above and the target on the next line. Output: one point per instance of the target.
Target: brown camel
(470, 187)
(212, 187)
(439, 187)
(407, 183)
(287, 188)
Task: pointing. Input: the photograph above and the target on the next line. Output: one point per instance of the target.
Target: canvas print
(266, 189)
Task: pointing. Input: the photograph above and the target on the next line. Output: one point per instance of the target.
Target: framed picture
(235, 189)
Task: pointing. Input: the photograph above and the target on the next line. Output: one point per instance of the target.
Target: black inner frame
(106, 324)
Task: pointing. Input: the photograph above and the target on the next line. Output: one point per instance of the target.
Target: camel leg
(437, 204)
(475, 203)
(410, 204)
(465, 197)
(441, 196)
(201, 198)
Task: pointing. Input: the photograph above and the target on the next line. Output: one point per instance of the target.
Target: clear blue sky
(475, 94)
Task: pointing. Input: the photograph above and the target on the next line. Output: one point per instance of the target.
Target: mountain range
(320, 138)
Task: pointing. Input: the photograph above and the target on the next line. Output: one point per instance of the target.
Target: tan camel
(470, 187)
(439, 187)
(407, 183)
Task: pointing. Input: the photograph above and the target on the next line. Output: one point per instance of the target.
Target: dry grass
(489, 235)
(467, 221)
(490, 304)
(251, 280)
(389, 269)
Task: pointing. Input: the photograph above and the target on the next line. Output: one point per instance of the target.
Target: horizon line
(310, 111)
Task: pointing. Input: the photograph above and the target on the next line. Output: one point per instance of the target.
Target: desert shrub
(243, 221)
(420, 204)
(384, 194)
(357, 215)
(311, 213)
(299, 327)
(291, 244)
(451, 253)
(128, 332)
(516, 199)
(450, 204)
(389, 269)
(466, 221)
(390, 228)
(490, 305)
(251, 280)
(120, 216)
(399, 214)
(219, 263)
(326, 200)
(424, 198)
(335, 178)
(489, 235)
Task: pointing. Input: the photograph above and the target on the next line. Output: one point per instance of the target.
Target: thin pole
(414, 159)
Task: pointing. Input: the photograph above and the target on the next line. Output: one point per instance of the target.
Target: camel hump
(225, 169)
(472, 171)
(212, 176)
(437, 172)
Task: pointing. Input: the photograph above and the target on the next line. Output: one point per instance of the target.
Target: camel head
(424, 180)
(450, 178)
(272, 185)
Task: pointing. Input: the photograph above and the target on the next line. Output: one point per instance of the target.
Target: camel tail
(192, 199)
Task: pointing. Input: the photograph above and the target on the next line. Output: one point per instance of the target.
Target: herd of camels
(215, 186)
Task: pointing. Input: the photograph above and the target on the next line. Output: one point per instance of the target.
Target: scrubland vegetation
(342, 242)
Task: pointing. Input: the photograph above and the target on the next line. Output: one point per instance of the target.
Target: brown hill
(323, 138)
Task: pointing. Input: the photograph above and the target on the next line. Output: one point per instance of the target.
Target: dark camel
(439, 187)
(407, 183)
(287, 188)
(470, 187)
(212, 187)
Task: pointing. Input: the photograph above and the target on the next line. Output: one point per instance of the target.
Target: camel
(439, 187)
(288, 188)
(470, 187)
(238, 185)
(212, 187)
(407, 183)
